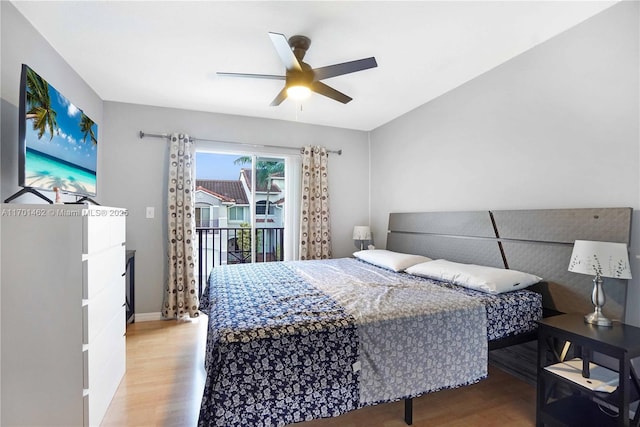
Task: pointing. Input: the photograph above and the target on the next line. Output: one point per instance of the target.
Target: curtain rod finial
(141, 134)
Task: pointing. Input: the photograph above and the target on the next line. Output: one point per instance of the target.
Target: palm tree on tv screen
(86, 127)
(39, 104)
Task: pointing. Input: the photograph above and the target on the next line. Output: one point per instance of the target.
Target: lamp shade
(604, 259)
(361, 232)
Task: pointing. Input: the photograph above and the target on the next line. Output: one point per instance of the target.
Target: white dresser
(63, 313)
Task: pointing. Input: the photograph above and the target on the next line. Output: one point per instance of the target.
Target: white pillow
(390, 260)
(486, 279)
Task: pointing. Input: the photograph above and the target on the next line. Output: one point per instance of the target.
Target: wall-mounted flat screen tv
(58, 142)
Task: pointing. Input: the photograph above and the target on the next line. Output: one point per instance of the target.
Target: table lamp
(362, 233)
(599, 259)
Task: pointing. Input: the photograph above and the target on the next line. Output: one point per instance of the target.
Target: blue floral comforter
(295, 341)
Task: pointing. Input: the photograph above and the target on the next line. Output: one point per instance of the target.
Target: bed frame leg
(408, 411)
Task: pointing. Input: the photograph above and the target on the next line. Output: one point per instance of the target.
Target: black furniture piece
(561, 399)
(131, 285)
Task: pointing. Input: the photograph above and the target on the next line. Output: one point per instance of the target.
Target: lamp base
(597, 318)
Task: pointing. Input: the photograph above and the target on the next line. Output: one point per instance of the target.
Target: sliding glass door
(242, 209)
(269, 203)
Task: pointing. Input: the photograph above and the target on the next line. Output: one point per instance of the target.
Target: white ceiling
(167, 53)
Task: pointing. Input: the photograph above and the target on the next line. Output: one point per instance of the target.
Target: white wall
(135, 173)
(22, 44)
(556, 127)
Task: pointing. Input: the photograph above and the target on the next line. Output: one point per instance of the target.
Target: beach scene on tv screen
(61, 141)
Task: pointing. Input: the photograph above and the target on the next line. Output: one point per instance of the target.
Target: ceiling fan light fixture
(300, 79)
(298, 92)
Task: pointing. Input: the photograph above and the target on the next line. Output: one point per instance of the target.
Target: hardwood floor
(164, 382)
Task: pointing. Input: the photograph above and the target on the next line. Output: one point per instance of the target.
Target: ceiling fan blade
(280, 97)
(344, 68)
(284, 52)
(329, 92)
(256, 76)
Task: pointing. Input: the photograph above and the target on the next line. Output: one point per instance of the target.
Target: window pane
(205, 217)
(198, 224)
(224, 195)
(270, 204)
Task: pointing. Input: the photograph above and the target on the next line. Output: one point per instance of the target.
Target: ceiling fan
(300, 79)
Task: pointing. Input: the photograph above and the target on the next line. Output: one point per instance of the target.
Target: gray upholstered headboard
(536, 241)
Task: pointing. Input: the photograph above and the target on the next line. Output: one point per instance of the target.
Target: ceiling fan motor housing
(300, 78)
(299, 44)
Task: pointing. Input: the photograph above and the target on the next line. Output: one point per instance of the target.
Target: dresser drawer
(105, 346)
(103, 227)
(85, 410)
(101, 270)
(107, 364)
(99, 310)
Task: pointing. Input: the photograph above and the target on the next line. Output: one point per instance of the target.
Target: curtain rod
(164, 135)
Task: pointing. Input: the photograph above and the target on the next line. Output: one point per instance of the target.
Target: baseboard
(148, 317)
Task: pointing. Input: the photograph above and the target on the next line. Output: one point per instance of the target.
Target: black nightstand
(130, 293)
(561, 399)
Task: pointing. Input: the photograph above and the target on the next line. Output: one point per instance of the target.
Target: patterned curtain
(315, 228)
(181, 294)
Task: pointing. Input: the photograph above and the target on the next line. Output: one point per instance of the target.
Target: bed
(294, 341)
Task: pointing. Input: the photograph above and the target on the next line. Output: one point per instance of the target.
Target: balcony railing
(218, 246)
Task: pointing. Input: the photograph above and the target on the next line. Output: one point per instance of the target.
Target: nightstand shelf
(575, 411)
(564, 398)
